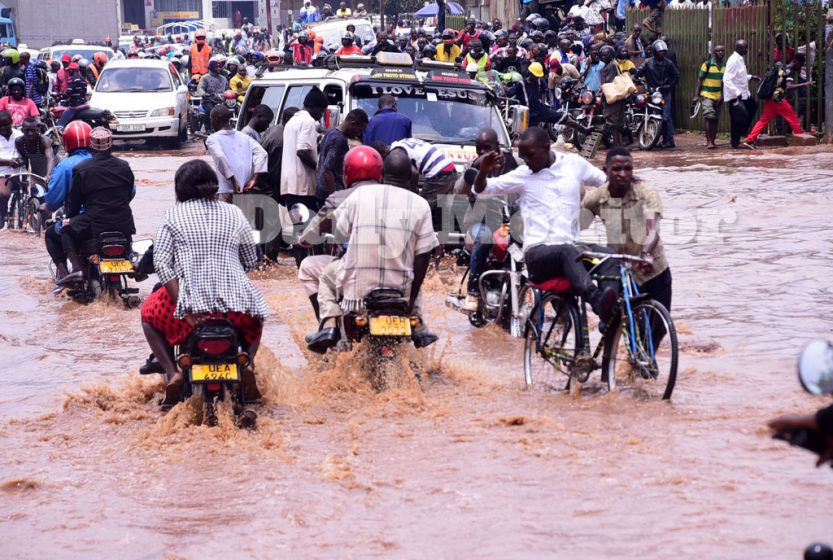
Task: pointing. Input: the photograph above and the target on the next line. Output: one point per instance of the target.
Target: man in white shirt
(300, 152)
(549, 186)
(742, 107)
(239, 160)
(10, 161)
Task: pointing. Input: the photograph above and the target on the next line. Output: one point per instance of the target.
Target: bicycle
(24, 204)
(638, 349)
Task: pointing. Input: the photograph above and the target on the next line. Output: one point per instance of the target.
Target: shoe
(324, 340)
(667, 146)
(152, 365)
(422, 337)
(747, 146)
(471, 303)
(72, 278)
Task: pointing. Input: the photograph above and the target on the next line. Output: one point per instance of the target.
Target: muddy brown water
(469, 464)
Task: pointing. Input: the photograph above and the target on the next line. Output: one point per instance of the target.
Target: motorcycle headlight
(656, 98)
(164, 112)
(231, 103)
(587, 98)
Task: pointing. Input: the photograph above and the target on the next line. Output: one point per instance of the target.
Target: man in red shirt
(62, 76)
(17, 104)
(347, 47)
(468, 34)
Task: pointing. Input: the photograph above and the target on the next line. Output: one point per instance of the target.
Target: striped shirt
(386, 227)
(426, 158)
(711, 80)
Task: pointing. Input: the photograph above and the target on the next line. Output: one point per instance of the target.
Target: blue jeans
(480, 250)
(667, 120)
(69, 114)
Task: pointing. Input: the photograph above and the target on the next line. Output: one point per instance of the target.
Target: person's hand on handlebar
(784, 425)
(648, 262)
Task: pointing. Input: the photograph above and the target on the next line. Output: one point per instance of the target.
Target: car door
(181, 95)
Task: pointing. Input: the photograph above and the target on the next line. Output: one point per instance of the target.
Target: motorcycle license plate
(390, 326)
(214, 372)
(115, 267)
(130, 128)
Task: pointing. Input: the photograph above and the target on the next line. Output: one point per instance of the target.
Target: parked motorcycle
(386, 324)
(591, 117)
(108, 262)
(643, 117)
(212, 360)
(567, 94)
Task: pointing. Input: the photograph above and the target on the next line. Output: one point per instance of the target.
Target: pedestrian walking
(709, 92)
(742, 107)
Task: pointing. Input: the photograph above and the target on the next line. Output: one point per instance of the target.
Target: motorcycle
(567, 95)
(212, 360)
(231, 103)
(504, 295)
(108, 263)
(386, 323)
(643, 117)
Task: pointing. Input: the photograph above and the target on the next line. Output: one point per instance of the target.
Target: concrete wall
(42, 22)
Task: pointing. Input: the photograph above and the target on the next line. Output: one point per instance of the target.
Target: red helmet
(362, 163)
(228, 95)
(77, 135)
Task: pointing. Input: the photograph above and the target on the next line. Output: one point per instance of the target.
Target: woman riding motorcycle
(201, 254)
(15, 103)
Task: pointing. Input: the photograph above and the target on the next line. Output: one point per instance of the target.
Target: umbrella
(431, 10)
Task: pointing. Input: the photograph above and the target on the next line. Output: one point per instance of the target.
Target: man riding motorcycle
(200, 55)
(76, 94)
(103, 186)
(11, 65)
(76, 141)
(211, 87)
(398, 260)
(94, 69)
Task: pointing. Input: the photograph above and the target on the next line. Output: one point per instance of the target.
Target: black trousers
(741, 115)
(52, 239)
(545, 262)
(659, 288)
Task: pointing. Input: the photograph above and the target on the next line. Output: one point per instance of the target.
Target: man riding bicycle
(549, 186)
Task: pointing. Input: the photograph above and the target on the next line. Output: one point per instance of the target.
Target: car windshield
(122, 80)
(438, 115)
(85, 52)
(332, 35)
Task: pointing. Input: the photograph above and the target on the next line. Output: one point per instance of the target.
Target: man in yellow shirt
(343, 11)
(240, 83)
(447, 51)
(709, 91)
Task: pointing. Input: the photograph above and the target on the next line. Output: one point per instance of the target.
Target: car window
(133, 80)
(270, 96)
(295, 97)
(175, 75)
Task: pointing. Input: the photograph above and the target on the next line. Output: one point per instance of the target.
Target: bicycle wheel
(552, 342)
(643, 360)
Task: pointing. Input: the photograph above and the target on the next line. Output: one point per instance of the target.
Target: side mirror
(520, 119)
(299, 214)
(141, 246)
(182, 89)
(332, 116)
(815, 368)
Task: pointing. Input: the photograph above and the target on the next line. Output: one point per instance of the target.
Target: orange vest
(199, 60)
(94, 68)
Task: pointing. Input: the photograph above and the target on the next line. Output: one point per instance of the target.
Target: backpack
(768, 83)
(42, 85)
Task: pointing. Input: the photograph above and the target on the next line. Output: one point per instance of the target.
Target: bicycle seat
(559, 284)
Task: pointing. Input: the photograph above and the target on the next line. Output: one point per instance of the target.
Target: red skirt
(158, 312)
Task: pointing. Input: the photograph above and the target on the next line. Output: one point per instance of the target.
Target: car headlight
(164, 112)
(656, 98)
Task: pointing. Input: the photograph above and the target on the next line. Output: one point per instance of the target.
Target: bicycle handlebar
(617, 256)
(24, 174)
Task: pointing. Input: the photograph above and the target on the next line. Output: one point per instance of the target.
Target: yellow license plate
(390, 326)
(214, 372)
(121, 266)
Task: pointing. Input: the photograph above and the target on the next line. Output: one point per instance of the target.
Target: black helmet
(541, 24)
(525, 43)
(501, 33)
(16, 82)
(429, 51)
(537, 37)
(550, 34)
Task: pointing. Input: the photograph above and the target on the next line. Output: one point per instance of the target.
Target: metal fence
(688, 36)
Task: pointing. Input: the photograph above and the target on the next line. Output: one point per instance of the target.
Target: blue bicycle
(638, 351)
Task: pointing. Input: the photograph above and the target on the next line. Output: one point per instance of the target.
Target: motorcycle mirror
(815, 368)
(141, 247)
(299, 214)
(182, 89)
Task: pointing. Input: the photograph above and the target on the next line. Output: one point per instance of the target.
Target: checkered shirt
(208, 245)
(387, 227)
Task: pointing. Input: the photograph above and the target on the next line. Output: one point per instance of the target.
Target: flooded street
(467, 464)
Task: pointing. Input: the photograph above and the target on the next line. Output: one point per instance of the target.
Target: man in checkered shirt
(390, 240)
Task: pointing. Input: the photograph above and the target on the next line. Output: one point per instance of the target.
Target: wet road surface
(469, 464)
